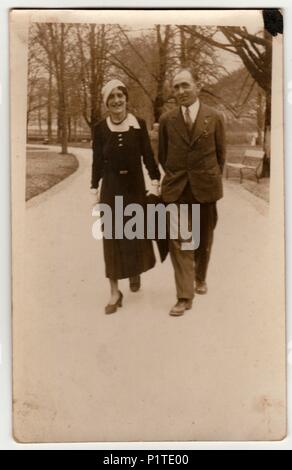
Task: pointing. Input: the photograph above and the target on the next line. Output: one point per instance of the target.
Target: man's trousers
(191, 265)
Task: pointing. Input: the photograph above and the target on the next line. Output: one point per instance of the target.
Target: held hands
(154, 188)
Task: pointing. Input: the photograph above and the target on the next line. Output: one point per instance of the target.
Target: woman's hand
(155, 188)
(95, 192)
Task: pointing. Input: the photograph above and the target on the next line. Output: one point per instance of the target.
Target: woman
(119, 141)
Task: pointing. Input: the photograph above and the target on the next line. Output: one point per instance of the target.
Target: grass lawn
(82, 145)
(31, 147)
(44, 169)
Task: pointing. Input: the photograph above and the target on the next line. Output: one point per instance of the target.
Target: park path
(140, 374)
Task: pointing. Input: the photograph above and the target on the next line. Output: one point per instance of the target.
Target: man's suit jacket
(196, 157)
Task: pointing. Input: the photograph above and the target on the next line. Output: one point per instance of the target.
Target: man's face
(185, 88)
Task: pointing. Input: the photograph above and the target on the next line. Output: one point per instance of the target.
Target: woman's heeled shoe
(135, 283)
(112, 308)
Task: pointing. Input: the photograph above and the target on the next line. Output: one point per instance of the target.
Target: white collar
(193, 109)
(130, 121)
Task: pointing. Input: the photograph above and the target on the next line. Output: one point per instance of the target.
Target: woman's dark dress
(117, 160)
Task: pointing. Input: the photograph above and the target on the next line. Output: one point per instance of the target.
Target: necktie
(188, 120)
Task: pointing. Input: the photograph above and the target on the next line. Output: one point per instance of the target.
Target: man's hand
(154, 188)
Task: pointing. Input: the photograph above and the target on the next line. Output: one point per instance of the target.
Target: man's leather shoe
(179, 308)
(135, 283)
(201, 288)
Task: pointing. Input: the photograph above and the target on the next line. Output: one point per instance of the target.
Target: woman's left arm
(97, 158)
(147, 153)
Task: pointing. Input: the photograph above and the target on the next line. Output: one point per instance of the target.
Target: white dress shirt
(193, 109)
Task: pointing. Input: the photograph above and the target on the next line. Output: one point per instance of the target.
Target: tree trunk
(75, 129)
(59, 126)
(260, 118)
(267, 138)
(162, 53)
(183, 55)
(69, 129)
(27, 124)
(268, 89)
(40, 117)
(93, 74)
(62, 102)
(49, 107)
(157, 106)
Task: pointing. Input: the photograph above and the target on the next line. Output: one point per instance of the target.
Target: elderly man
(192, 154)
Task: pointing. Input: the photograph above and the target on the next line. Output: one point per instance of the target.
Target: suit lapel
(201, 123)
(180, 126)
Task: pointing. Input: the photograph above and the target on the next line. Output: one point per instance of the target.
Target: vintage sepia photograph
(147, 226)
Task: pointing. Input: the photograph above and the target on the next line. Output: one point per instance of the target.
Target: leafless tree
(93, 43)
(53, 38)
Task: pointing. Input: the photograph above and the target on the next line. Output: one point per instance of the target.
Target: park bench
(252, 161)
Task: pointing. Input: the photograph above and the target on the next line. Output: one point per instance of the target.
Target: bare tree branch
(137, 53)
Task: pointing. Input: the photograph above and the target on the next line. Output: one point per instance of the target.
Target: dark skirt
(125, 258)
